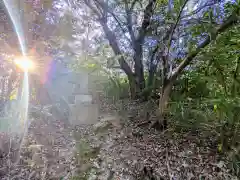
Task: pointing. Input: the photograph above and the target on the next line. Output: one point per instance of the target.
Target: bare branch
(106, 9)
(95, 11)
(146, 20)
(199, 9)
(175, 26)
(110, 35)
(114, 44)
(133, 4)
(129, 20)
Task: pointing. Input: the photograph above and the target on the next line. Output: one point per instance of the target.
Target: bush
(216, 118)
(116, 88)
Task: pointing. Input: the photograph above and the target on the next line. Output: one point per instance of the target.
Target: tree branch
(95, 11)
(228, 23)
(113, 43)
(175, 26)
(199, 9)
(106, 9)
(133, 4)
(146, 20)
(129, 20)
(235, 74)
(111, 37)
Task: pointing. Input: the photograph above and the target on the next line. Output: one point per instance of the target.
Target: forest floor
(113, 148)
(130, 153)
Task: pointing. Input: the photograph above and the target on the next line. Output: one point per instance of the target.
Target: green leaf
(91, 65)
(162, 3)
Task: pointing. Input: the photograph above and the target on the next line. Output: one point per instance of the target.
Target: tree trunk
(148, 92)
(133, 87)
(139, 70)
(136, 81)
(161, 122)
(164, 98)
(150, 78)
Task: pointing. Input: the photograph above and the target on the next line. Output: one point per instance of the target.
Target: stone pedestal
(83, 114)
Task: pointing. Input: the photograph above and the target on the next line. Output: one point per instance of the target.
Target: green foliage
(162, 3)
(192, 85)
(116, 88)
(216, 118)
(84, 153)
(206, 99)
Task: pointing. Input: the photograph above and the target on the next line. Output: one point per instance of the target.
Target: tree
(210, 37)
(169, 32)
(117, 27)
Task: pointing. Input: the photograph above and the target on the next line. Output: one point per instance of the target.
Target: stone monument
(75, 89)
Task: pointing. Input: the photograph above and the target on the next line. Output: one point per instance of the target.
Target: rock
(102, 126)
(108, 121)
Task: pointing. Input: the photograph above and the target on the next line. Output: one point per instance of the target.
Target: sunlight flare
(24, 63)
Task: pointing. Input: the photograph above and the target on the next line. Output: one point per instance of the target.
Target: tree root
(159, 125)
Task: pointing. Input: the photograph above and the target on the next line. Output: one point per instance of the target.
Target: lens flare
(24, 63)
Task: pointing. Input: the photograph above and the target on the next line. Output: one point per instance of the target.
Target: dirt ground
(113, 148)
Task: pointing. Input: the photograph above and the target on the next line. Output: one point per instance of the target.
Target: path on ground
(113, 148)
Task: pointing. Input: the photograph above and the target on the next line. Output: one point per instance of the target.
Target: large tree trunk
(102, 10)
(136, 81)
(138, 66)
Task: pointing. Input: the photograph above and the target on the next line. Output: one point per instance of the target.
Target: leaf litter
(114, 148)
